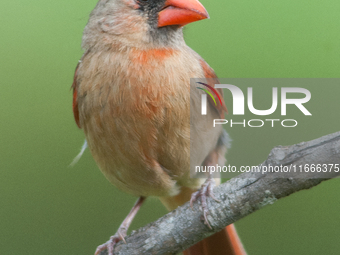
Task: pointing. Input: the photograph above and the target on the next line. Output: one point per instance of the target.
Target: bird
(133, 98)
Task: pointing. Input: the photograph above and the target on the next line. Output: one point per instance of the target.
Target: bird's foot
(119, 236)
(205, 191)
(122, 230)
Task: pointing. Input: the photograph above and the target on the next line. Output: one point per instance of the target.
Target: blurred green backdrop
(48, 208)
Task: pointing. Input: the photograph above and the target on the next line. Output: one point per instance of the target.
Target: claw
(110, 244)
(205, 191)
(122, 237)
(211, 192)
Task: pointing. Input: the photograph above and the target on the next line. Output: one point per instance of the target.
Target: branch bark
(241, 196)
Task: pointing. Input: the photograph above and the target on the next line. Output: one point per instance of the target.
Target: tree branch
(241, 196)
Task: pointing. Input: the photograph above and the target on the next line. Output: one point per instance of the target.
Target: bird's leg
(122, 230)
(215, 157)
(205, 191)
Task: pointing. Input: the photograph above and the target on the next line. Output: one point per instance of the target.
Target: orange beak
(181, 12)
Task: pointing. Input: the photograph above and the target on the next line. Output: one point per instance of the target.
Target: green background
(47, 207)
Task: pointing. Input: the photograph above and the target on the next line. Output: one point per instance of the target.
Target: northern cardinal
(132, 99)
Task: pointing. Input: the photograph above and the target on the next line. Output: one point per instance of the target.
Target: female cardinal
(132, 99)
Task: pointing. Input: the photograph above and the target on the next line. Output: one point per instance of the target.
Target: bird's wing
(210, 74)
(75, 102)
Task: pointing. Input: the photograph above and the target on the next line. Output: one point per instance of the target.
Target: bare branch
(240, 197)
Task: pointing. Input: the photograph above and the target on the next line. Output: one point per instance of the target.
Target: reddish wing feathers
(75, 103)
(209, 73)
